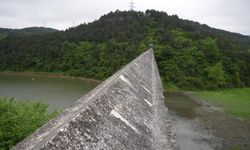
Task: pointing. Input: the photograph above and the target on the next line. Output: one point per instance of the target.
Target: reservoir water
(59, 93)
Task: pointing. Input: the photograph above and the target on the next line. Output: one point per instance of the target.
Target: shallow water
(59, 93)
(191, 135)
(181, 105)
(206, 127)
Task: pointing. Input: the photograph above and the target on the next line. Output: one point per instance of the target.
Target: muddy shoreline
(210, 126)
(47, 74)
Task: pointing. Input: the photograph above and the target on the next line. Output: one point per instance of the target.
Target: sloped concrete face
(126, 111)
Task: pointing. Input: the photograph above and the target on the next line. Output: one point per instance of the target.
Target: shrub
(18, 119)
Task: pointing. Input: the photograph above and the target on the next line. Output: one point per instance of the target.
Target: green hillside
(189, 54)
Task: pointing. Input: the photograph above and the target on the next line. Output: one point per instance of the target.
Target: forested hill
(25, 31)
(189, 55)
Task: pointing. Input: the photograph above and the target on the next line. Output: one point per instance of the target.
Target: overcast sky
(231, 15)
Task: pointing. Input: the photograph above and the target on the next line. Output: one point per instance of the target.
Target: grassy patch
(235, 102)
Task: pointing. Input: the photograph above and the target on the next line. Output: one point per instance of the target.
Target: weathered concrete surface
(126, 111)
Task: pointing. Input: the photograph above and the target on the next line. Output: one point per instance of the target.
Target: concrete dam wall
(127, 111)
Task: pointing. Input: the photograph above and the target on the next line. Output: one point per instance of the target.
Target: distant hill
(122, 21)
(189, 54)
(4, 32)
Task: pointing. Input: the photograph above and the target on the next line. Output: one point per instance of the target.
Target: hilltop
(4, 32)
(189, 54)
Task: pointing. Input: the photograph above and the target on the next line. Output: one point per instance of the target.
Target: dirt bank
(46, 74)
(234, 132)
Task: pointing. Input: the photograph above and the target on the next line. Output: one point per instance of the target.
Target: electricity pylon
(131, 6)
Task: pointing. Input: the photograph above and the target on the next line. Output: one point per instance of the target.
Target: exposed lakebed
(201, 126)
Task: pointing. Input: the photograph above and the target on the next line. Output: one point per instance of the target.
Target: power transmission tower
(131, 6)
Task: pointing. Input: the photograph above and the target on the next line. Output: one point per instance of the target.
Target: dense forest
(189, 54)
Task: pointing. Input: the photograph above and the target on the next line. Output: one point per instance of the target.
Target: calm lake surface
(59, 93)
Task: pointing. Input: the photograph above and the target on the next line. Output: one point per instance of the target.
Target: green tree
(216, 76)
(19, 119)
(210, 49)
